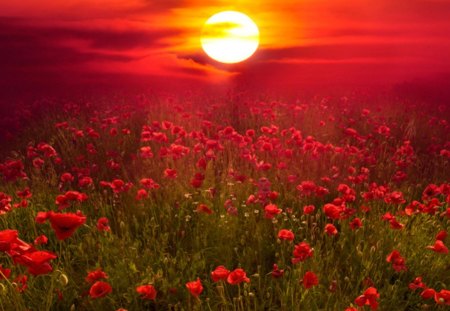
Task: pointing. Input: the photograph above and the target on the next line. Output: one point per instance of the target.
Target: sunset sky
(306, 42)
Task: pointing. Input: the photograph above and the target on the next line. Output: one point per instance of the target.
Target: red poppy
(141, 194)
(302, 251)
(355, 223)
(99, 289)
(7, 237)
(220, 273)
(428, 293)
(37, 262)
(398, 262)
(147, 292)
(96, 275)
(203, 208)
(332, 211)
(195, 287)
(417, 283)
(65, 224)
(276, 272)
(103, 224)
(441, 235)
(330, 229)
(237, 276)
(285, 234)
(308, 209)
(310, 279)
(42, 239)
(271, 210)
(439, 247)
(369, 297)
(442, 297)
(170, 173)
(4, 273)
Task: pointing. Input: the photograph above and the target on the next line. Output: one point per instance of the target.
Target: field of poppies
(225, 203)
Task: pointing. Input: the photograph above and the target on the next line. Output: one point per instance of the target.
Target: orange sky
(302, 42)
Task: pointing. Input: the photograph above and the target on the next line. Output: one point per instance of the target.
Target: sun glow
(230, 37)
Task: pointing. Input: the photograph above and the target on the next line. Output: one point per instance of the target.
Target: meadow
(225, 203)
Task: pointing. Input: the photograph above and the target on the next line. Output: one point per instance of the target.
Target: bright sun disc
(230, 37)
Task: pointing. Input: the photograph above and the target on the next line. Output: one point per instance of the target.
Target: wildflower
(237, 276)
(99, 289)
(310, 279)
(220, 273)
(271, 210)
(285, 234)
(330, 229)
(195, 287)
(398, 262)
(439, 247)
(302, 251)
(147, 292)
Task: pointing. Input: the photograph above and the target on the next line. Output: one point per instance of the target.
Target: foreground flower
(442, 297)
(271, 210)
(65, 224)
(302, 251)
(37, 262)
(285, 234)
(195, 287)
(310, 279)
(398, 262)
(7, 237)
(439, 247)
(147, 292)
(330, 229)
(100, 289)
(220, 273)
(237, 276)
(96, 275)
(277, 272)
(369, 297)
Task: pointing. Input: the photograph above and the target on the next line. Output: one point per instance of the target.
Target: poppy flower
(237, 276)
(195, 287)
(302, 251)
(4, 273)
(96, 275)
(310, 279)
(99, 289)
(170, 173)
(369, 297)
(147, 292)
(308, 209)
(330, 229)
(332, 211)
(65, 224)
(428, 293)
(277, 272)
(103, 224)
(398, 262)
(355, 223)
(220, 273)
(441, 235)
(37, 262)
(417, 283)
(438, 247)
(271, 210)
(42, 239)
(285, 234)
(7, 237)
(141, 194)
(442, 297)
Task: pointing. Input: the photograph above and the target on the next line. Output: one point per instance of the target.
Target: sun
(230, 37)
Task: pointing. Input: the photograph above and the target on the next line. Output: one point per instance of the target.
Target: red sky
(51, 43)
